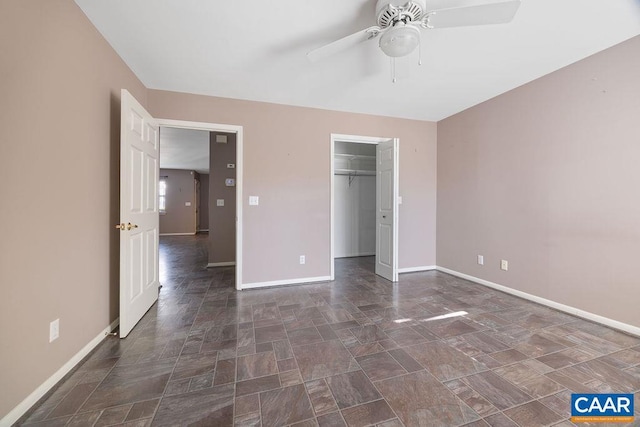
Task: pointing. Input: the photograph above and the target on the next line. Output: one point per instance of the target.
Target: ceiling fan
(400, 23)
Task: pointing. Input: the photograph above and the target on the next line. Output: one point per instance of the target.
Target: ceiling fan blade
(344, 43)
(474, 13)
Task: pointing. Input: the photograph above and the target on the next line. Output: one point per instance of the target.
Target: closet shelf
(354, 156)
(357, 172)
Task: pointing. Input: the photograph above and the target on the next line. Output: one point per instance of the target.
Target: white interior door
(387, 210)
(139, 219)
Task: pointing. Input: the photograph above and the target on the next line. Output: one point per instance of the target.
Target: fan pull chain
(420, 50)
(393, 70)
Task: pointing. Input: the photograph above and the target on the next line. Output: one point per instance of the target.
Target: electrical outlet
(302, 259)
(504, 265)
(480, 260)
(54, 330)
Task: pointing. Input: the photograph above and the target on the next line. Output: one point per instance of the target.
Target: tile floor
(431, 350)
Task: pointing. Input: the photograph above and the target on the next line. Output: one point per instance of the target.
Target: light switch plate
(231, 166)
(254, 200)
(219, 202)
(187, 203)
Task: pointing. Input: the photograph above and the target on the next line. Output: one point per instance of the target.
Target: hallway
(430, 350)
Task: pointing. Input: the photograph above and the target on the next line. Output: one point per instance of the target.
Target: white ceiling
(255, 49)
(184, 149)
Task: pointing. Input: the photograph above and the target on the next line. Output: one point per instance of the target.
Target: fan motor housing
(387, 11)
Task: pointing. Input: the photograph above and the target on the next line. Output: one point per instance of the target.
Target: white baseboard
(286, 282)
(221, 264)
(416, 269)
(177, 234)
(22, 408)
(635, 330)
(203, 230)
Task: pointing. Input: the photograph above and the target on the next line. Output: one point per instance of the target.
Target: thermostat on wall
(230, 182)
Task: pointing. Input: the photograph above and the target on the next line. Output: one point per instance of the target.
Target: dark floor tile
(508, 356)
(274, 413)
(344, 325)
(419, 399)
(128, 384)
(449, 328)
(380, 366)
(270, 333)
(73, 400)
(333, 419)
(84, 419)
(537, 345)
(559, 402)
(201, 382)
(54, 422)
(368, 414)
(369, 334)
(256, 365)
(443, 361)
(256, 385)
(323, 359)
(247, 404)
(112, 416)
(500, 420)
(501, 393)
(569, 382)
(477, 343)
(192, 365)
(287, 365)
(407, 362)
(533, 414)
(405, 336)
(364, 349)
(144, 409)
(472, 398)
(352, 389)
(213, 406)
(533, 383)
(321, 397)
(304, 336)
(290, 378)
(225, 372)
(616, 378)
(327, 333)
(282, 350)
(248, 420)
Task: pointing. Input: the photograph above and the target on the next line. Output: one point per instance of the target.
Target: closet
(354, 199)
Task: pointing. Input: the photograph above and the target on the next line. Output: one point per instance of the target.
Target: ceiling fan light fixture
(400, 40)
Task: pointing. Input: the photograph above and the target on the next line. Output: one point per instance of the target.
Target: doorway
(237, 133)
(364, 201)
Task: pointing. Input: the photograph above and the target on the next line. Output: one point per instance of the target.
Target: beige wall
(59, 118)
(547, 176)
(204, 201)
(287, 163)
(222, 219)
(179, 218)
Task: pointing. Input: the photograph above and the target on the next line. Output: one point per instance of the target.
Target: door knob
(130, 226)
(120, 226)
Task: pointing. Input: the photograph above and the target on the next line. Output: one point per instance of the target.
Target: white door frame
(238, 130)
(336, 137)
